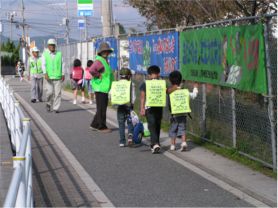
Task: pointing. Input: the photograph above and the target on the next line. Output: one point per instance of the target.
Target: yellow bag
(179, 100)
(120, 92)
(155, 93)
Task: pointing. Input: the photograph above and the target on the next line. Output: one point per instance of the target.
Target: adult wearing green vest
(101, 83)
(53, 69)
(35, 75)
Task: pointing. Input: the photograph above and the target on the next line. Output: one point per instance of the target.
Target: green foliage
(10, 47)
(170, 13)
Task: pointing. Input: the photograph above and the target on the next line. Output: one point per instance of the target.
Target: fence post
(233, 117)
(21, 194)
(204, 108)
(270, 96)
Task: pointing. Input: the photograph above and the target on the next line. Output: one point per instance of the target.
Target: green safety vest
(179, 100)
(155, 93)
(35, 65)
(120, 92)
(53, 66)
(103, 84)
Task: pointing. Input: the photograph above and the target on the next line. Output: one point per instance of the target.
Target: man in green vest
(53, 69)
(101, 83)
(35, 75)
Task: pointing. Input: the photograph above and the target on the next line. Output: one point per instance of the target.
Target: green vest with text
(104, 83)
(53, 65)
(35, 66)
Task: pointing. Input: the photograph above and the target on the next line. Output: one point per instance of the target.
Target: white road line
(85, 177)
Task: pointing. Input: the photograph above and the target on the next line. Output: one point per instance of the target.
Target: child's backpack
(138, 128)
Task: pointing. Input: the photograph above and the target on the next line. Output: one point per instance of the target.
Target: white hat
(35, 49)
(51, 42)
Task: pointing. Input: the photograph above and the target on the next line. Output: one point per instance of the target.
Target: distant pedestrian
(88, 84)
(53, 69)
(178, 118)
(101, 83)
(125, 105)
(152, 111)
(76, 76)
(20, 69)
(35, 74)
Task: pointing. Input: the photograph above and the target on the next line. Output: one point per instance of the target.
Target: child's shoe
(129, 140)
(121, 145)
(183, 146)
(172, 147)
(156, 149)
(90, 102)
(83, 100)
(74, 102)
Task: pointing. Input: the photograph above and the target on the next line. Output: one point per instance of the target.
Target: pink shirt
(96, 69)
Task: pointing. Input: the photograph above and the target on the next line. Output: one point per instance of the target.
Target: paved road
(129, 176)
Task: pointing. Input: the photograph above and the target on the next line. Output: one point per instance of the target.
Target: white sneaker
(156, 149)
(183, 146)
(90, 102)
(172, 147)
(121, 145)
(74, 102)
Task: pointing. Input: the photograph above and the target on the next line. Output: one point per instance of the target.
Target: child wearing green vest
(123, 95)
(153, 111)
(179, 109)
(35, 75)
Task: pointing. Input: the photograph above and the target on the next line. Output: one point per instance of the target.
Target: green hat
(125, 72)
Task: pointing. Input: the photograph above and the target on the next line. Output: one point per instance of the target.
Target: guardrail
(20, 192)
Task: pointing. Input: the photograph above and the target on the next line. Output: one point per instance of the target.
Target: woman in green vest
(101, 84)
(35, 75)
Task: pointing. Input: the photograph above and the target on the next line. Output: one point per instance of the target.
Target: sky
(45, 17)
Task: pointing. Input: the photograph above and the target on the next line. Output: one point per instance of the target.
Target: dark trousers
(154, 116)
(123, 116)
(99, 121)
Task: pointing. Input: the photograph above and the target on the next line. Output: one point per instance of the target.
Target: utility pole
(107, 16)
(67, 22)
(10, 17)
(0, 40)
(24, 52)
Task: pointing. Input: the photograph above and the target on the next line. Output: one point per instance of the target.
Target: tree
(170, 13)
(10, 47)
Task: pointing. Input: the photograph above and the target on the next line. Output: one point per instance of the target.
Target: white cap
(51, 42)
(35, 49)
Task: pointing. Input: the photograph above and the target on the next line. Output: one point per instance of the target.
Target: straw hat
(104, 47)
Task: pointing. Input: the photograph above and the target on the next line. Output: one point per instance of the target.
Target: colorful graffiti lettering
(136, 46)
(169, 64)
(164, 45)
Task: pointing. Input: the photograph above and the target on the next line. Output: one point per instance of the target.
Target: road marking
(85, 177)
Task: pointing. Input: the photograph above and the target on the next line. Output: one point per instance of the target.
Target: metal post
(233, 117)
(19, 161)
(270, 96)
(204, 108)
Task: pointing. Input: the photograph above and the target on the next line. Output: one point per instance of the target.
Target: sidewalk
(6, 164)
(134, 177)
(245, 179)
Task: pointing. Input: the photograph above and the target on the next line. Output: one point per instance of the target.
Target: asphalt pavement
(128, 176)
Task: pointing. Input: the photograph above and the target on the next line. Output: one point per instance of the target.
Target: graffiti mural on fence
(113, 59)
(231, 56)
(161, 50)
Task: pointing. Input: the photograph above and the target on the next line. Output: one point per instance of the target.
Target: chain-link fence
(225, 116)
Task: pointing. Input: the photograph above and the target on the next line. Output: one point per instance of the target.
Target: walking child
(87, 83)
(123, 95)
(35, 75)
(153, 99)
(77, 79)
(179, 107)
